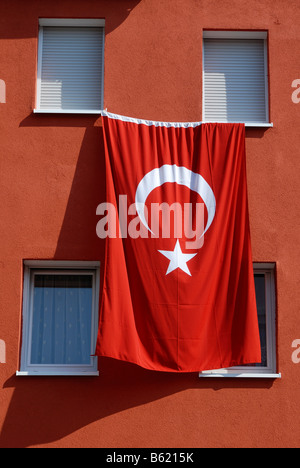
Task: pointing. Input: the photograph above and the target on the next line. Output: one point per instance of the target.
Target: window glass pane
(261, 310)
(234, 80)
(61, 325)
(71, 68)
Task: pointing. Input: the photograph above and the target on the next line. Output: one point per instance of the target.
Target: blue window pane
(62, 312)
(261, 311)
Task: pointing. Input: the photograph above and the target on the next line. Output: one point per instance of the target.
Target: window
(235, 77)
(2, 92)
(60, 315)
(70, 66)
(264, 276)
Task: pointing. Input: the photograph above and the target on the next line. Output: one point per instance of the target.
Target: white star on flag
(177, 259)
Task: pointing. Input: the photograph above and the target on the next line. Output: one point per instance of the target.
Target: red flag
(171, 301)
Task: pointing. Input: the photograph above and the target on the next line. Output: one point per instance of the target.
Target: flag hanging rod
(149, 123)
(105, 113)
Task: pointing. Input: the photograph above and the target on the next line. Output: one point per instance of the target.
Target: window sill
(58, 374)
(65, 111)
(247, 124)
(241, 375)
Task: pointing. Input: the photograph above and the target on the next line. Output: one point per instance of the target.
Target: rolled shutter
(235, 80)
(71, 70)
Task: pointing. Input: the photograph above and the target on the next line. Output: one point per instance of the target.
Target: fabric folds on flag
(170, 302)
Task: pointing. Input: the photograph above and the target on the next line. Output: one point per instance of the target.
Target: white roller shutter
(70, 75)
(235, 80)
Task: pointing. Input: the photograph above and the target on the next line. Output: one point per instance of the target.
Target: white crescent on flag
(181, 176)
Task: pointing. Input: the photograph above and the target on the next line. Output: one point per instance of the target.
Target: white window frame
(70, 267)
(270, 371)
(240, 35)
(60, 22)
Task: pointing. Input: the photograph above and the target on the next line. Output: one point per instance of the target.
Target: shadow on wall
(78, 239)
(44, 410)
(114, 12)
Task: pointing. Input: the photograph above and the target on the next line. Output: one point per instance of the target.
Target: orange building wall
(52, 179)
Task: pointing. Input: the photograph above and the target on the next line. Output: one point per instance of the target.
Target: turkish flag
(178, 292)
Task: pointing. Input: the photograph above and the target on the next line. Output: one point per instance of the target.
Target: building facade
(179, 61)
